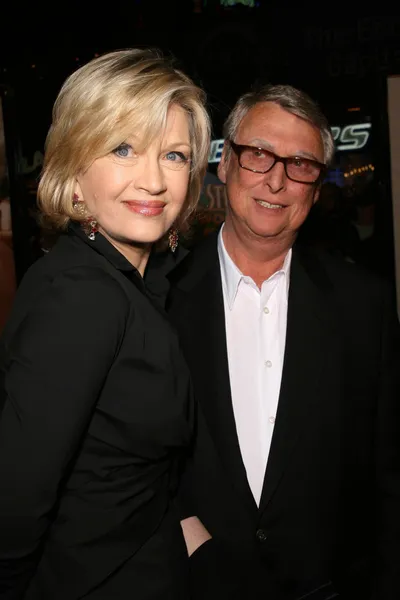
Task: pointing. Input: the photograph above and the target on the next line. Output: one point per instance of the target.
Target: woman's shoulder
(73, 269)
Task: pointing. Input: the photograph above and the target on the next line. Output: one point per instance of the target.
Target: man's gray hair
(289, 98)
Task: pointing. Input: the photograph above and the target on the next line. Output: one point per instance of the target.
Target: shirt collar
(101, 245)
(232, 276)
(159, 266)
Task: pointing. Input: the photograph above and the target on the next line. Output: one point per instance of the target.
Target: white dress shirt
(256, 333)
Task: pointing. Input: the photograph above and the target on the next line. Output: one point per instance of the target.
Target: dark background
(339, 54)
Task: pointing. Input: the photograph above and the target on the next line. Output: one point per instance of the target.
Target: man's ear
(223, 164)
(317, 192)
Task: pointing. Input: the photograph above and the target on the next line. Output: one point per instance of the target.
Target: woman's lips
(149, 208)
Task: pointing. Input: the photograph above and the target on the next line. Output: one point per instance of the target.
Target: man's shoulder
(345, 278)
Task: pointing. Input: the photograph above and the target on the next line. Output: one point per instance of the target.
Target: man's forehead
(267, 123)
(264, 113)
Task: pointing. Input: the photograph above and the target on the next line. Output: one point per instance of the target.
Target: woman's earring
(89, 224)
(79, 206)
(91, 229)
(173, 238)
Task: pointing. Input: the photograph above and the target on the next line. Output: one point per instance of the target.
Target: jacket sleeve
(387, 457)
(57, 361)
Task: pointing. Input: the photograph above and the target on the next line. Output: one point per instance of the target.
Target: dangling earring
(79, 206)
(173, 237)
(89, 224)
(91, 229)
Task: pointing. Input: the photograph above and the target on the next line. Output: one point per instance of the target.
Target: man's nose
(275, 178)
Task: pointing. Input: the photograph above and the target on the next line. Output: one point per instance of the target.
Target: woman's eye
(123, 151)
(176, 156)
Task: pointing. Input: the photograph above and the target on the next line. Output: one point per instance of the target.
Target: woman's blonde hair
(94, 112)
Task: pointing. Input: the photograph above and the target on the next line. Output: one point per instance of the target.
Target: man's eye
(299, 162)
(123, 151)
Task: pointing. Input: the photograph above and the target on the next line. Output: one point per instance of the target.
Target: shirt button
(261, 535)
(266, 310)
(268, 363)
(272, 420)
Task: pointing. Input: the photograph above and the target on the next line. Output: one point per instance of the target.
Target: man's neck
(255, 257)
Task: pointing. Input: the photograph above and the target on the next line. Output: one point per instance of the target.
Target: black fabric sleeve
(216, 572)
(57, 361)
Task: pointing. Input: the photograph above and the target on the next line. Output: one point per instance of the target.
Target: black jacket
(97, 412)
(329, 516)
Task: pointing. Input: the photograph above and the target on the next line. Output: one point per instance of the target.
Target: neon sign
(351, 137)
(250, 3)
(348, 137)
(216, 151)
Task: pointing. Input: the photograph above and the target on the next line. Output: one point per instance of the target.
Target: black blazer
(97, 412)
(329, 517)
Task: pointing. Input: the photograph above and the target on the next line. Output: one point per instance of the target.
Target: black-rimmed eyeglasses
(260, 160)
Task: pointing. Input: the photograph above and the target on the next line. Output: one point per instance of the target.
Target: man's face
(271, 205)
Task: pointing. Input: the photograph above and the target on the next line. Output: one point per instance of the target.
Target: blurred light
(359, 170)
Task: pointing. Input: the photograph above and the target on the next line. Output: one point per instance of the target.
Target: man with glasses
(295, 470)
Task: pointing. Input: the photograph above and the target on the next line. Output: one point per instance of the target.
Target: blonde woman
(97, 409)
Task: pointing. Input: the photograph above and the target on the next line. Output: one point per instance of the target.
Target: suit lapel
(204, 338)
(199, 315)
(310, 336)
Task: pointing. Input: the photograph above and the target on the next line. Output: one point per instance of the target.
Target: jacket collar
(195, 265)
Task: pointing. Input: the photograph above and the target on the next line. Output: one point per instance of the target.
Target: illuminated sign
(348, 137)
(351, 137)
(216, 151)
(250, 3)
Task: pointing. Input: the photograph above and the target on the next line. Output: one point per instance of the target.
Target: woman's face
(136, 197)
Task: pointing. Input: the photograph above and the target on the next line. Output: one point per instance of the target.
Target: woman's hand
(195, 534)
